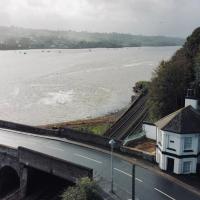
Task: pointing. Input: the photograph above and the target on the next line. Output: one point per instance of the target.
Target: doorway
(170, 164)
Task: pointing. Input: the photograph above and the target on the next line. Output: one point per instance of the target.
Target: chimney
(191, 99)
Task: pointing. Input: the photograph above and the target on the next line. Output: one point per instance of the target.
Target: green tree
(168, 85)
(141, 87)
(84, 190)
(172, 78)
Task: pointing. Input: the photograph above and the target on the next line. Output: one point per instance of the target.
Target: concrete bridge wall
(52, 165)
(20, 159)
(9, 158)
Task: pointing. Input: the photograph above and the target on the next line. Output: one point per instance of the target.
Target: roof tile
(184, 121)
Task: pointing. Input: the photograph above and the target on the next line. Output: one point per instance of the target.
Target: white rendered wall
(174, 143)
(192, 102)
(150, 131)
(178, 163)
(178, 144)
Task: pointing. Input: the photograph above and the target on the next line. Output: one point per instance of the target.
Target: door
(170, 164)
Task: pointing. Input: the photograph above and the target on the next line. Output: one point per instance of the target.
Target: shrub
(141, 87)
(84, 190)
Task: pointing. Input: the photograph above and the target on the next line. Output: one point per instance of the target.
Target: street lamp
(112, 144)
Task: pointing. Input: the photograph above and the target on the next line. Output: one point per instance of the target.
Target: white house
(177, 139)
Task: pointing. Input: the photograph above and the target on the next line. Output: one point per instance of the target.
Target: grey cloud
(148, 17)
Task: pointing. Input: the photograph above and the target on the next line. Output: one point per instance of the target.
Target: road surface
(149, 185)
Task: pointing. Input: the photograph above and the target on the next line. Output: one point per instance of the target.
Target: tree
(168, 85)
(172, 78)
(84, 190)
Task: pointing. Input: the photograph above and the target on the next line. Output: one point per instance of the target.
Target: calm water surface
(45, 86)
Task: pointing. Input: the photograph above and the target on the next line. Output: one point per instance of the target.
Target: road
(149, 185)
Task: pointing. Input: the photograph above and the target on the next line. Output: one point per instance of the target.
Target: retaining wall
(78, 136)
(27, 128)
(88, 138)
(137, 153)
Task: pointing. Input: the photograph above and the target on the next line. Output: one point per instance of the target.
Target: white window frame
(187, 167)
(159, 137)
(185, 145)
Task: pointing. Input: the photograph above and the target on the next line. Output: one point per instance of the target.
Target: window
(159, 137)
(187, 143)
(186, 167)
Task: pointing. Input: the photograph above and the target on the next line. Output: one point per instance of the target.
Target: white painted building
(177, 139)
(150, 130)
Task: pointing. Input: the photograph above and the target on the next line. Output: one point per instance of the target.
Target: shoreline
(89, 48)
(104, 120)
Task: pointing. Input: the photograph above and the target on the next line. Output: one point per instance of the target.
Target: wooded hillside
(173, 77)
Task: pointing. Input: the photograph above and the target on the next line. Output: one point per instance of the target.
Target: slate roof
(183, 121)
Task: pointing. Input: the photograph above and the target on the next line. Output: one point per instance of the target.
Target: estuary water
(46, 86)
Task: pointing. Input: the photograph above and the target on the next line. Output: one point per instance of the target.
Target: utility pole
(112, 143)
(133, 182)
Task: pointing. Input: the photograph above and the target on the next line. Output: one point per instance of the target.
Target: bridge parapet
(19, 160)
(52, 165)
(9, 157)
(9, 164)
(8, 151)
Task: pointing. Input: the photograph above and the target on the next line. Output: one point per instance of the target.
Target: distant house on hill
(177, 139)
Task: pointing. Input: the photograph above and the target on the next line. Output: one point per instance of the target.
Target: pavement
(149, 184)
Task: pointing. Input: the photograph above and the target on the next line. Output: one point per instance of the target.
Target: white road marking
(88, 158)
(164, 194)
(58, 149)
(127, 174)
(141, 181)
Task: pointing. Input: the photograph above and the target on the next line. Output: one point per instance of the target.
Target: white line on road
(58, 149)
(139, 180)
(88, 158)
(127, 174)
(164, 194)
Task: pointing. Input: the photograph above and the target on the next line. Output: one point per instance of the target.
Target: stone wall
(9, 157)
(70, 134)
(87, 138)
(52, 165)
(26, 128)
(67, 133)
(21, 158)
(17, 195)
(137, 153)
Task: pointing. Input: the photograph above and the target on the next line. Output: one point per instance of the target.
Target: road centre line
(164, 193)
(99, 162)
(55, 148)
(128, 174)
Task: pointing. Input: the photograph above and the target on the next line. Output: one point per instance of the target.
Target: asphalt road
(148, 185)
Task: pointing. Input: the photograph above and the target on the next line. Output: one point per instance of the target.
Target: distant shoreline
(16, 38)
(86, 48)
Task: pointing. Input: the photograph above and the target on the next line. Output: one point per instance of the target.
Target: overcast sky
(147, 17)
